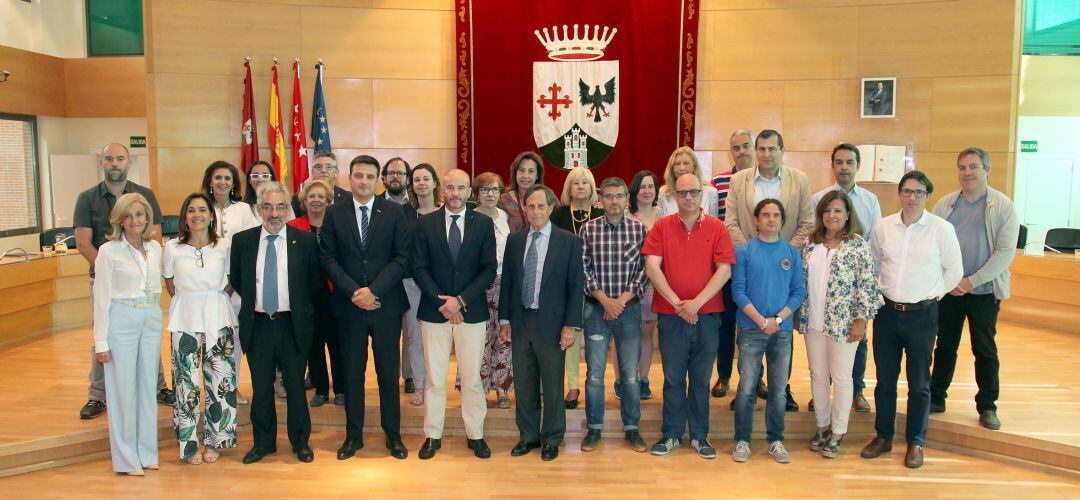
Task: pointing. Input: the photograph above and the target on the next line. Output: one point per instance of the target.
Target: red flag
(277, 139)
(299, 136)
(249, 133)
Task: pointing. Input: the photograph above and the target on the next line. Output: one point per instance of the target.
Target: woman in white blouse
(683, 161)
(842, 297)
(231, 215)
(201, 330)
(127, 333)
(496, 371)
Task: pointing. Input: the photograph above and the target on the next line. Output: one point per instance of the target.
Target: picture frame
(878, 97)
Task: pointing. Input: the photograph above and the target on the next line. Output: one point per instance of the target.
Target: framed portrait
(878, 98)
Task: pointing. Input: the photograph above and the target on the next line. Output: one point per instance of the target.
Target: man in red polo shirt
(689, 260)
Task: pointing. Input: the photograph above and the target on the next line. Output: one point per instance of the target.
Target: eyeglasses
(261, 177)
(917, 193)
(199, 258)
(395, 174)
(683, 193)
(617, 196)
(323, 168)
(490, 190)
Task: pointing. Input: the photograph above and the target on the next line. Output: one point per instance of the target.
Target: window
(1052, 27)
(19, 193)
(114, 28)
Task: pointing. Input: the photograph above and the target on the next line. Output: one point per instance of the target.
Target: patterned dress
(496, 371)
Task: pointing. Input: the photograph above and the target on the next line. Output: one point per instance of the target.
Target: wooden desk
(1045, 292)
(42, 294)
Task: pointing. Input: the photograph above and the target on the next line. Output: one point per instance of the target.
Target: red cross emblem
(554, 101)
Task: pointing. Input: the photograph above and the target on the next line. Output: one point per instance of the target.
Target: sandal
(504, 401)
(194, 459)
(417, 399)
(210, 455)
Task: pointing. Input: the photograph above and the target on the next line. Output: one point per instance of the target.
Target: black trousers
(906, 336)
(325, 338)
(538, 362)
(273, 347)
(385, 334)
(981, 312)
(725, 352)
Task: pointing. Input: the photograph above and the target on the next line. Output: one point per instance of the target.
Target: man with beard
(395, 179)
(92, 226)
(325, 169)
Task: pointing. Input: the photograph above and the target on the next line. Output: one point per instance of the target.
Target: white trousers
(467, 339)
(830, 360)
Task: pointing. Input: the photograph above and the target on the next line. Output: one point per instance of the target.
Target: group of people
(516, 281)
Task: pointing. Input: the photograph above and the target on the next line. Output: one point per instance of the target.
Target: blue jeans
(909, 335)
(753, 344)
(598, 333)
(687, 351)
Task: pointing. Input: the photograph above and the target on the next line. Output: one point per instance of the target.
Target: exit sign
(1029, 146)
(138, 141)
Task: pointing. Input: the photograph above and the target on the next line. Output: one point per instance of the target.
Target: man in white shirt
(918, 261)
(845, 165)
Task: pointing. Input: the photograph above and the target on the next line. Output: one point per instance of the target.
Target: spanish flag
(277, 137)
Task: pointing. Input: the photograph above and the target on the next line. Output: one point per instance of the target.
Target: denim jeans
(753, 344)
(909, 335)
(598, 333)
(687, 351)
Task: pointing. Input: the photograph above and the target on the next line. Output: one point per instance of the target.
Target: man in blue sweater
(767, 285)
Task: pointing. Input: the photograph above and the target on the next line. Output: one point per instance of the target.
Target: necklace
(142, 263)
(576, 223)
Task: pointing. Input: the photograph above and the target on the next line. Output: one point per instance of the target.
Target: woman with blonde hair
(578, 207)
(683, 161)
(127, 332)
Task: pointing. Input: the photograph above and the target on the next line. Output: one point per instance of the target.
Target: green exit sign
(1029, 146)
(138, 141)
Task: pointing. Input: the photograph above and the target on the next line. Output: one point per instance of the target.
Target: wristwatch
(779, 321)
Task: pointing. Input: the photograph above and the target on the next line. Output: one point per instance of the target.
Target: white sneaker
(742, 451)
(777, 450)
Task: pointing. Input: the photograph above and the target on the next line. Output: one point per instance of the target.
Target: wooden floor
(43, 385)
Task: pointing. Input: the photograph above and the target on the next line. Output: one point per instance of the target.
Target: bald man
(453, 264)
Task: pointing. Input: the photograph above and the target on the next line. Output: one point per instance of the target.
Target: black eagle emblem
(596, 100)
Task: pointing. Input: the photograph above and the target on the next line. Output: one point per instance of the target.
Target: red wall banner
(635, 102)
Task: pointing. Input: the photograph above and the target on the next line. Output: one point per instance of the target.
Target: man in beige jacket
(771, 179)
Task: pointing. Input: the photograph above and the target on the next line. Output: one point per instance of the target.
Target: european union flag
(320, 128)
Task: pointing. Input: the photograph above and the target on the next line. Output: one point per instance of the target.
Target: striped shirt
(612, 256)
(722, 182)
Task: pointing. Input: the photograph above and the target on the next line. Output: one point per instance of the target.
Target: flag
(299, 136)
(320, 128)
(249, 133)
(273, 130)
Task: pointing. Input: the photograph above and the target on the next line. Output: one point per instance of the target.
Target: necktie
(528, 286)
(455, 238)
(363, 227)
(270, 285)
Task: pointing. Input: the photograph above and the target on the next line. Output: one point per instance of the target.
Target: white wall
(1047, 193)
(53, 27)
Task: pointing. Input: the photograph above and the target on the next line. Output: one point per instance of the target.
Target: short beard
(395, 192)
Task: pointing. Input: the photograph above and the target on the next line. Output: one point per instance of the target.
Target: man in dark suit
(365, 252)
(541, 302)
(454, 263)
(324, 169)
(275, 269)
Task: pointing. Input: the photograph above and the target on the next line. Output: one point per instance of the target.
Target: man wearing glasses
(325, 169)
(689, 258)
(918, 261)
(395, 180)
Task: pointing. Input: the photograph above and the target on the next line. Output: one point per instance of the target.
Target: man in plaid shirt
(614, 280)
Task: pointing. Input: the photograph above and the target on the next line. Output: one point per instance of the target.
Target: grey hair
(326, 154)
(745, 132)
(270, 187)
(980, 152)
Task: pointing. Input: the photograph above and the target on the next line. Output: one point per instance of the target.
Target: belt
(140, 303)
(592, 300)
(272, 317)
(906, 307)
(530, 309)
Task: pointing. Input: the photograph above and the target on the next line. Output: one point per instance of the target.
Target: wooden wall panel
(724, 107)
(27, 296)
(36, 85)
(105, 86)
(413, 113)
(912, 123)
(972, 111)
(1049, 86)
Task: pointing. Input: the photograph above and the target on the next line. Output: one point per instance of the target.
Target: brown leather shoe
(914, 458)
(860, 404)
(720, 389)
(876, 447)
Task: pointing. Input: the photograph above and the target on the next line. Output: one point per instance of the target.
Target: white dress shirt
(917, 262)
(460, 223)
(200, 303)
(122, 273)
(867, 207)
(817, 285)
(766, 188)
(282, 271)
(541, 256)
(359, 217)
(502, 231)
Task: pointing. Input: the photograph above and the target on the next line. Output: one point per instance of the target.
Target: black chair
(51, 237)
(1063, 239)
(170, 226)
(1021, 241)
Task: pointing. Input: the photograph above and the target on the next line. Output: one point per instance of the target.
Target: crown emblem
(576, 48)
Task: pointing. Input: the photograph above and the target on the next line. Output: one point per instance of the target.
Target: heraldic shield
(576, 111)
